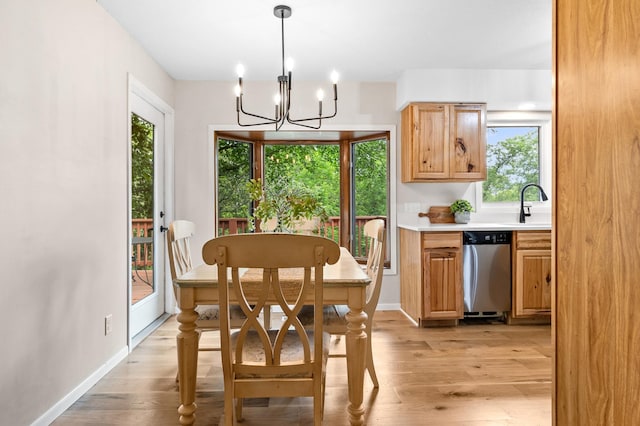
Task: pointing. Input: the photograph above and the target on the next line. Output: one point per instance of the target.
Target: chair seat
(212, 312)
(209, 315)
(334, 318)
(253, 350)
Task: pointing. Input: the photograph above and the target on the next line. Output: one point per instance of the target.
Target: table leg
(187, 343)
(356, 354)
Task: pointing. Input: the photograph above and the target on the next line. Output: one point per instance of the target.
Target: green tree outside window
(513, 160)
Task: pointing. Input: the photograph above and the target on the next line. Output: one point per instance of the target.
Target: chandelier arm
(253, 124)
(284, 100)
(279, 124)
(306, 125)
(267, 119)
(320, 117)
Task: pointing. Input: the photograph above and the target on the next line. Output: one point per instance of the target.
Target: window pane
(316, 168)
(513, 160)
(234, 170)
(142, 174)
(370, 176)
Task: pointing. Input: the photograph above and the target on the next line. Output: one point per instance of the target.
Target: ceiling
(364, 40)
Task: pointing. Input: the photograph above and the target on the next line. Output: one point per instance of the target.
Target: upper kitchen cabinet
(444, 142)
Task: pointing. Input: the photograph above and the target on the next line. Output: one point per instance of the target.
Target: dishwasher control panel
(486, 237)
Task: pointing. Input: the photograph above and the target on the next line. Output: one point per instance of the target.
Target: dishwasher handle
(470, 275)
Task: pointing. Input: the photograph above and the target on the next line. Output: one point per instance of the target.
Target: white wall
(502, 90)
(63, 190)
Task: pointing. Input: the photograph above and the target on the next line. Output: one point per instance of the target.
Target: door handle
(163, 229)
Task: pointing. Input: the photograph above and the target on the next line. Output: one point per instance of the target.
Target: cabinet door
(430, 136)
(468, 142)
(532, 289)
(443, 142)
(442, 284)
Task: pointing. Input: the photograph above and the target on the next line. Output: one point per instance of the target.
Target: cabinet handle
(548, 279)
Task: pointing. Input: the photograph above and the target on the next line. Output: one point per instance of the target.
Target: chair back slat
(284, 269)
(375, 232)
(179, 247)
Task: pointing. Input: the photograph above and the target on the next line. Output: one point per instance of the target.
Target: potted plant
(461, 210)
(284, 200)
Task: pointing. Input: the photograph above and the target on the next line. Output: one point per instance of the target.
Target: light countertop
(426, 226)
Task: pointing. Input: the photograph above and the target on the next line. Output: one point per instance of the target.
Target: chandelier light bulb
(237, 90)
(320, 94)
(289, 64)
(277, 98)
(334, 77)
(240, 70)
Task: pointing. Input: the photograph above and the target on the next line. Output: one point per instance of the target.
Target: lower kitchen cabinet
(431, 276)
(531, 273)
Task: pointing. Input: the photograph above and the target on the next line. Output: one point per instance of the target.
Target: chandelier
(282, 98)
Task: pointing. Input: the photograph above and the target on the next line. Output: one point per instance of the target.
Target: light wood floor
(473, 374)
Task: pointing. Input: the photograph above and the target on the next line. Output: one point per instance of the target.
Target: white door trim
(139, 89)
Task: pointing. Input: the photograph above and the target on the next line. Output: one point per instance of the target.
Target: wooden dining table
(345, 283)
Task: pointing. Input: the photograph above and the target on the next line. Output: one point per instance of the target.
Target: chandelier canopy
(282, 98)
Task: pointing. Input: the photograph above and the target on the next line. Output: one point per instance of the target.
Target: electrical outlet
(108, 328)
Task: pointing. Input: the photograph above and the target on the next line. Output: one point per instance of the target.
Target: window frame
(541, 119)
(389, 130)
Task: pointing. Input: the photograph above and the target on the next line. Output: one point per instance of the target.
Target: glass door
(147, 283)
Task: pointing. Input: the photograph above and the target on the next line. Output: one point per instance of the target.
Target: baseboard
(409, 318)
(61, 406)
(388, 307)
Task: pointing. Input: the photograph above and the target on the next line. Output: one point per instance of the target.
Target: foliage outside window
(513, 160)
(141, 168)
(370, 177)
(312, 168)
(234, 169)
(142, 173)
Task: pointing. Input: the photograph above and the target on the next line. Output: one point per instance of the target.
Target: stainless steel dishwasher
(486, 259)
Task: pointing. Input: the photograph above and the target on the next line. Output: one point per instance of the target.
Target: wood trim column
(346, 203)
(596, 244)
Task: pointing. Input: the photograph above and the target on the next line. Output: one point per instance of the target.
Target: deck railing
(142, 250)
(329, 229)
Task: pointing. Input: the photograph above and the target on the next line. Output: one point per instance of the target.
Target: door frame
(136, 87)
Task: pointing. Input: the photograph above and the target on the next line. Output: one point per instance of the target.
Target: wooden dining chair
(289, 361)
(335, 321)
(179, 251)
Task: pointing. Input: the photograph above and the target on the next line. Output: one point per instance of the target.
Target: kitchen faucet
(542, 194)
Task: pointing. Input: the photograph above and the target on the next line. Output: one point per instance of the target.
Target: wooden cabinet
(531, 273)
(431, 275)
(444, 142)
